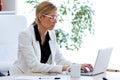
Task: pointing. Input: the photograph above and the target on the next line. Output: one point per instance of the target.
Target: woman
(38, 50)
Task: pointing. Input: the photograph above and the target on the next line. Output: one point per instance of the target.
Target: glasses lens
(52, 18)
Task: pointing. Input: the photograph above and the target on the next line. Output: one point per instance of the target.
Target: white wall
(106, 30)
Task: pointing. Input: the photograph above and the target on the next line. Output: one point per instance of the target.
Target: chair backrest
(10, 27)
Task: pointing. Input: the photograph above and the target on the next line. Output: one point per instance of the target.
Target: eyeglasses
(52, 18)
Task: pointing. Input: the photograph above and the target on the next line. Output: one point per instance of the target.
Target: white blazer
(29, 55)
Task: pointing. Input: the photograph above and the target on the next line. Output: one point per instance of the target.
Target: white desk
(108, 75)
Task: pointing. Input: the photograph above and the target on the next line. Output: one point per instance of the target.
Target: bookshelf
(8, 7)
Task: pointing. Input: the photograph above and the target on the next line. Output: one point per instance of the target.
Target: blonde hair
(44, 7)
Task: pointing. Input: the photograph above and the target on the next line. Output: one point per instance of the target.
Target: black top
(45, 48)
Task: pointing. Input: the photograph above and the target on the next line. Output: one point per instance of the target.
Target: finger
(83, 69)
(87, 67)
(90, 67)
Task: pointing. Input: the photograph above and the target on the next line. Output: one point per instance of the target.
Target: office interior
(106, 34)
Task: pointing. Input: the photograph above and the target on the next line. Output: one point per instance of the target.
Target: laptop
(101, 63)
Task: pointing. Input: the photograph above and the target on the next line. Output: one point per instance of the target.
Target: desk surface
(108, 75)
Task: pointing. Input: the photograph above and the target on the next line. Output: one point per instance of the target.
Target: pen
(56, 78)
(113, 70)
(44, 78)
(105, 78)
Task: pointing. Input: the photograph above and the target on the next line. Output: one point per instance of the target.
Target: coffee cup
(75, 70)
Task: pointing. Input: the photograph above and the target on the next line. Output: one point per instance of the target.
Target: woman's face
(49, 21)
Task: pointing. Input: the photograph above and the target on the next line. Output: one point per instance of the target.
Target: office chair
(10, 27)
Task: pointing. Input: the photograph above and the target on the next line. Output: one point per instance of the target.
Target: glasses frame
(52, 18)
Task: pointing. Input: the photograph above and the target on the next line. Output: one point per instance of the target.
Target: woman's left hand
(86, 67)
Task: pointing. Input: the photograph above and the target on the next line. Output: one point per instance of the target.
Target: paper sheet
(61, 77)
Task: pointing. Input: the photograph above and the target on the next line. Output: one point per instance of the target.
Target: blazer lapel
(36, 45)
(52, 50)
(52, 45)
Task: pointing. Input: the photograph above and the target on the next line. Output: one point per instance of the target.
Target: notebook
(101, 63)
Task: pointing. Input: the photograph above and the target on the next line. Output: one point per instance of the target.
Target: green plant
(79, 16)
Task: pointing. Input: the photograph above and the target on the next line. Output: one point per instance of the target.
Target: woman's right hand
(66, 68)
